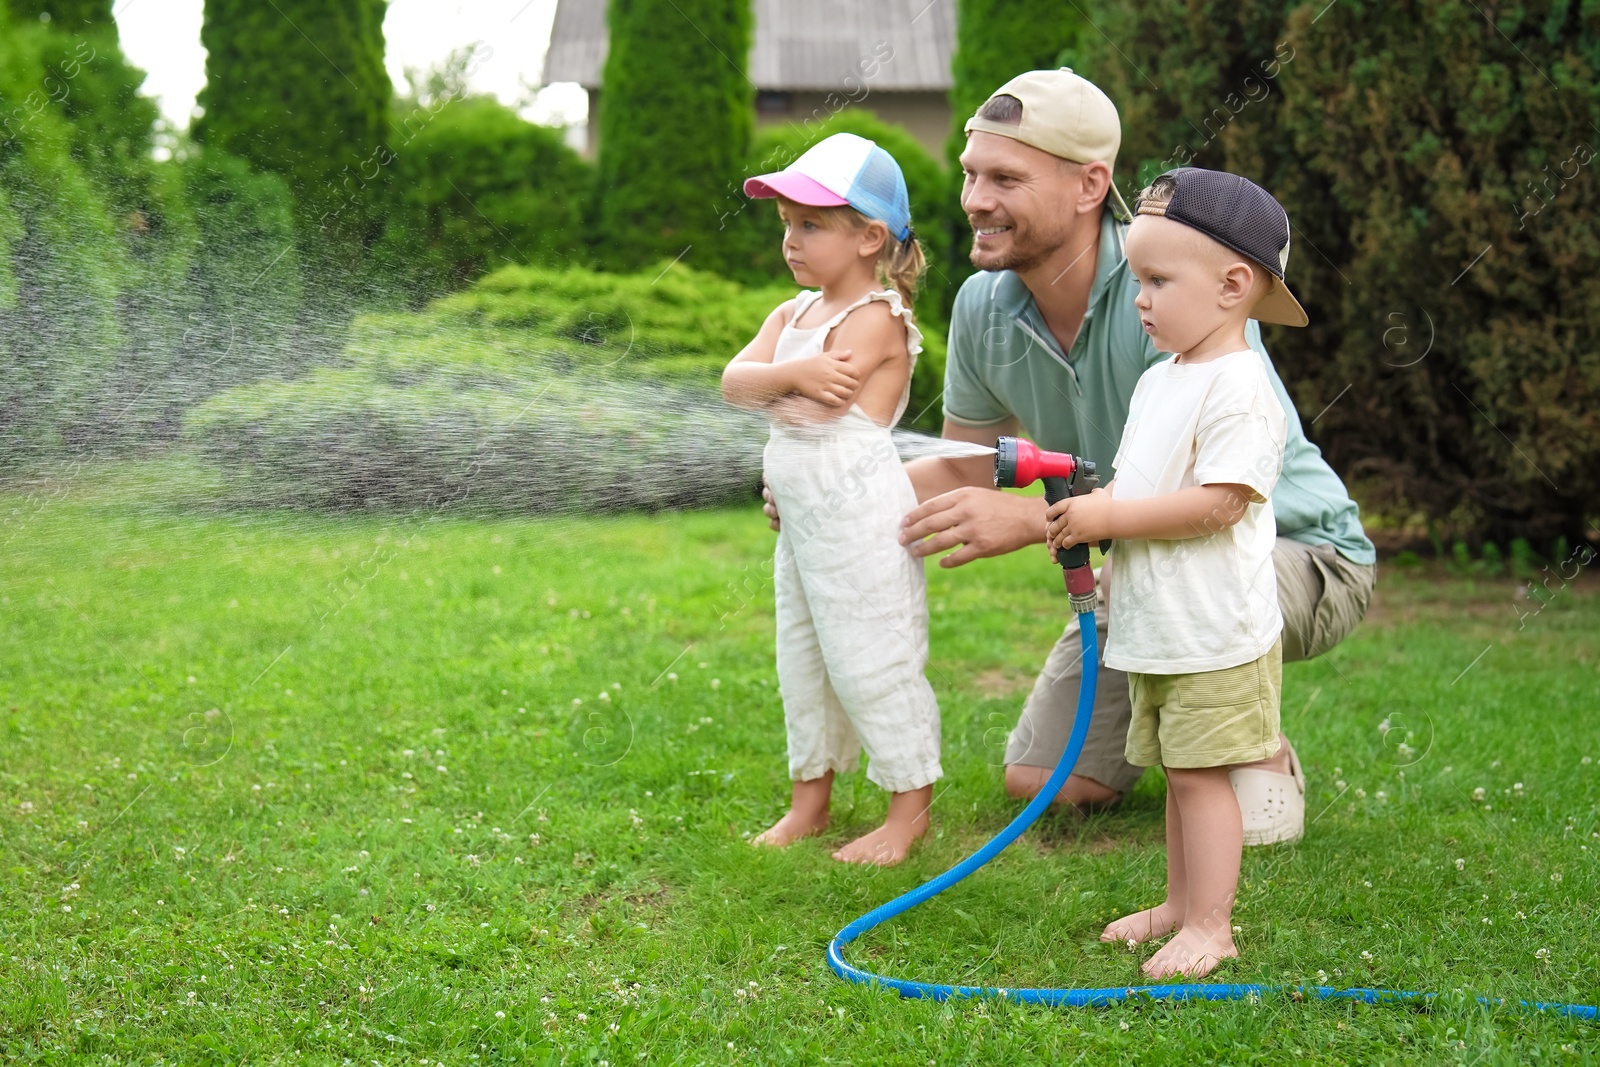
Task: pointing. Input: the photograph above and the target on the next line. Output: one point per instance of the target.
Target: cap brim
(1279, 306)
(1119, 206)
(792, 186)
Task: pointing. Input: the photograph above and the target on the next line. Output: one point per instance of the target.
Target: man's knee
(1024, 782)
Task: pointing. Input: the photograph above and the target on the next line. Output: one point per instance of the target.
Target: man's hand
(827, 377)
(983, 522)
(769, 507)
(1078, 520)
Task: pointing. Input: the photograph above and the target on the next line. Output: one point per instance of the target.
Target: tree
(69, 15)
(477, 187)
(757, 227)
(62, 264)
(298, 88)
(1436, 167)
(995, 41)
(676, 113)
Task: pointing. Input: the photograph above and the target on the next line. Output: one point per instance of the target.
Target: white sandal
(1272, 805)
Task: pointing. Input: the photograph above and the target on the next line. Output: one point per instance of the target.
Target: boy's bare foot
(1194, 953)
(1146, 925)
(891, 842)
(807, 815)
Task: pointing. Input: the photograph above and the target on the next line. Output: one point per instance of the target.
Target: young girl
(832, 368)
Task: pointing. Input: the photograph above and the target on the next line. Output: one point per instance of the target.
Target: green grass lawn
(408, 790)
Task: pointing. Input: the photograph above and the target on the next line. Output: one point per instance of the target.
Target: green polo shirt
(1003, 361)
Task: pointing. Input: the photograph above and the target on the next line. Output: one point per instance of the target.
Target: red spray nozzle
(1018, 463)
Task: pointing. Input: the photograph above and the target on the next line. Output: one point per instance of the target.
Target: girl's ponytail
(901, 265)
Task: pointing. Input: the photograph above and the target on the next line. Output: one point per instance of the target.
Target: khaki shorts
(1206, 719)
(1322, 596)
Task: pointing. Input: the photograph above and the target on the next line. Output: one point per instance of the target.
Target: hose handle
(1075, 569)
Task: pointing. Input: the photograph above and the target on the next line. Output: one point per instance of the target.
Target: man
(1046, 341)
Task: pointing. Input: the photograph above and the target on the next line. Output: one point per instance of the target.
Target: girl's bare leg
(807, 815)
(889, 843)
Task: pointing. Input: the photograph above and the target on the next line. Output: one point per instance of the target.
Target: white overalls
(851, 600)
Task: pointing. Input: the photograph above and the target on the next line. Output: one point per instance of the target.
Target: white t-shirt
(1209, 602)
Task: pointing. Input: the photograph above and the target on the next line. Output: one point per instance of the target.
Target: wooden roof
(799, 44)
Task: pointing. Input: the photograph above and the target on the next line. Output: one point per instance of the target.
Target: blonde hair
(900, 265)
(1155, 197)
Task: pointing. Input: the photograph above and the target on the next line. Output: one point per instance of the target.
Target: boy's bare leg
(807, 815)
(1166, 917)
(1278, 762)
(1213, 840)
(889, 843)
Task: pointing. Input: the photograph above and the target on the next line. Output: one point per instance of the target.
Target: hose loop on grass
(1088, 997)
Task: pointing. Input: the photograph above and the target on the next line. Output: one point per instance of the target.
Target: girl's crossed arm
(868, 338)
(753, 381)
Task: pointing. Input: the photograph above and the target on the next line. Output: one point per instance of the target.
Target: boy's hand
(827, 377)
(1078, 520)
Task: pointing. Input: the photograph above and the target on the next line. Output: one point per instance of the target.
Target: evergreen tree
(995, 41)
(69, 15)
(676, 113)
(63, 265)
(298, 88)
(1438, 171)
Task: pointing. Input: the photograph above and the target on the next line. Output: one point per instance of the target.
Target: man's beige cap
(1066, 115)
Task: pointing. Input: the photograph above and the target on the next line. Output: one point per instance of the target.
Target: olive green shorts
(1322, 596)
(1206, 719)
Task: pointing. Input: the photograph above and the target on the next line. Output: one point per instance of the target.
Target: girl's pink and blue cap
(840, 171)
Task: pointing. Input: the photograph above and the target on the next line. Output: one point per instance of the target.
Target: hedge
(476, 187)
(1447, 233)
(533, 391)
(675, 121)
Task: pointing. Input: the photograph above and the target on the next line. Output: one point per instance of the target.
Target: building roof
(799, 44)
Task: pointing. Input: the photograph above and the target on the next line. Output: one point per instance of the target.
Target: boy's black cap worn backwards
(1238, 213)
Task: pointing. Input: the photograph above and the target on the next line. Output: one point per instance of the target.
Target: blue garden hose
(1092, 997)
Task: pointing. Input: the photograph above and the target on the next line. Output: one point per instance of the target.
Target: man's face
(1019, 200)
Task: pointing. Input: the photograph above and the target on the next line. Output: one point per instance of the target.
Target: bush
(995, 41)
(675, 322)
(1453, 359)
(63, 265)
(474, 188)
(675, 120)
(758, 234)
(668, 322)
(536, 390)
(538, 442)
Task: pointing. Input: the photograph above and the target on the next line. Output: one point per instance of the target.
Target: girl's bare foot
(1194, 953)
(807, 815)
(791, 828)
(891, 842)
(883, 847)
(1146, 925)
